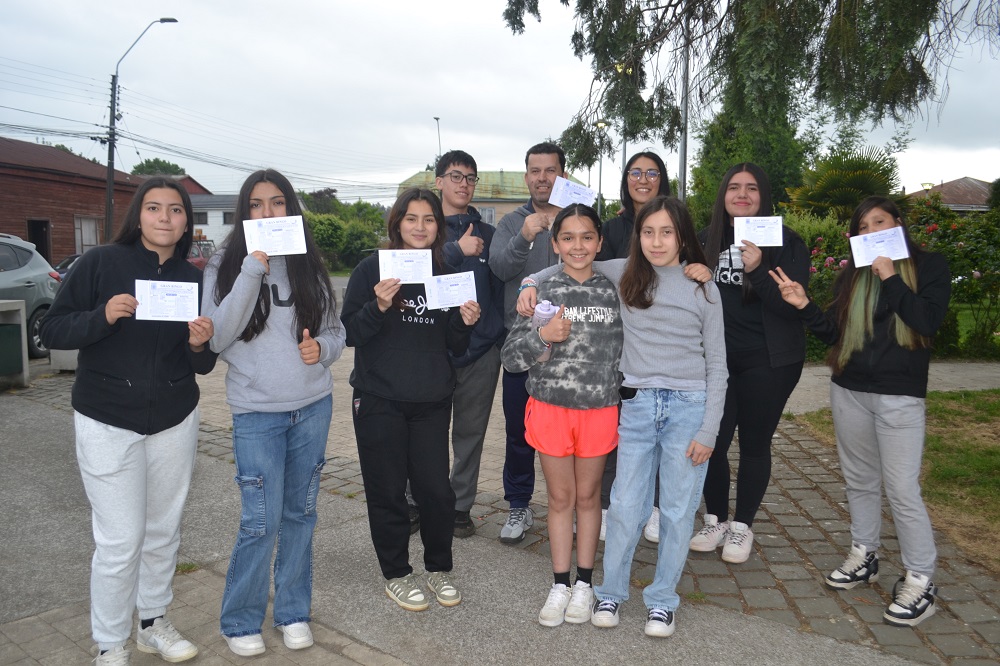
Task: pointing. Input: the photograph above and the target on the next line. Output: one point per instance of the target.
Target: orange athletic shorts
(561, 431)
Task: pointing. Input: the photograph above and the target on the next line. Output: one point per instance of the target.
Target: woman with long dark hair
(277, 328)
(403, 383)
(880, 325)
(135, 403)
(644, 177)
(765, 352)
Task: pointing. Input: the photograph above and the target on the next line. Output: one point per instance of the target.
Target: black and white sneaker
(860, 566)
(912, 601)
(660, 623)
(605, 613)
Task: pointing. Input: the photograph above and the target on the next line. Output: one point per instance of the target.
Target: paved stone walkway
(802, 532)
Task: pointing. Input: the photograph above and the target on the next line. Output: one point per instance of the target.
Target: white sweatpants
(137, 486)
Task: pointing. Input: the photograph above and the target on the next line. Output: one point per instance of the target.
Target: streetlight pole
(682, 167)
(437, 119)
(109, 189)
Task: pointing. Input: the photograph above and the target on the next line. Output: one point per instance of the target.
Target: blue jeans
(279, 456)
(656, 427)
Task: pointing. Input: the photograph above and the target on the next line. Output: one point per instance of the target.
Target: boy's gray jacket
(582, 372)
(513, 258)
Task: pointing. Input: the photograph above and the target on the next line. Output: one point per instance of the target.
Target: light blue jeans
(655, 430)
(279, 456)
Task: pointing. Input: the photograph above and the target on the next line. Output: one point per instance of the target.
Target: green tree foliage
(157, 167)
(870, 60)
(994, 200)
(345, 233)
(841, 180)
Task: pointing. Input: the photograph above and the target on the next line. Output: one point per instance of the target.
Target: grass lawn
(961, 470)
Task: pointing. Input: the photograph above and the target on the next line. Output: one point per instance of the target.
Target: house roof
(962, 194)
(225, 202)
(49, 159)
(493, 185)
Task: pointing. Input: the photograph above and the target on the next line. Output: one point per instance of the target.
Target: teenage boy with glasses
(476, 371)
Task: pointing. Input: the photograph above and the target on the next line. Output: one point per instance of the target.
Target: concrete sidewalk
(771, 610)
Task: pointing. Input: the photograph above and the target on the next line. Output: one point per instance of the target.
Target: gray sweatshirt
(678, 343)
(267, 374)
(583, 370)
(513, 258)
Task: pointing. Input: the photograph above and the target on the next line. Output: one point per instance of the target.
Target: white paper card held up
(450, 291)
(275, 236)
(761, 231)
(566, 192)
(889, 243)
(409, 266)
(166, 301)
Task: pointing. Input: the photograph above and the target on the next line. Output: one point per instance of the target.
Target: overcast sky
(343, 94)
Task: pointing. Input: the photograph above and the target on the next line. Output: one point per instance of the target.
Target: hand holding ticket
(890, 243)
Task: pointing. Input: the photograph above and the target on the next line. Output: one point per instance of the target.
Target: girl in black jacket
(136, 418)
(403, 384)
(881, 324)
(765, 352)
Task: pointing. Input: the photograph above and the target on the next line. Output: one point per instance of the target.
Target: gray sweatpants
(137, 485)
(471, 407)
(880, 440)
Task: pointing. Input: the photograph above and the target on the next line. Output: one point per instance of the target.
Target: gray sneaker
(518, 522)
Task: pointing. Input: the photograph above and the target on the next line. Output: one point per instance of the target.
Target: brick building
(55, 199)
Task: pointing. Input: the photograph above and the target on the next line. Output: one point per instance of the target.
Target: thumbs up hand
(472, 246)
(309, 349)
(558, 329)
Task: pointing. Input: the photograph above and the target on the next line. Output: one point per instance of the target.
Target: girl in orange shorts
(572, 417)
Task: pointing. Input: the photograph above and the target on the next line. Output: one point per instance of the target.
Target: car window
(8, 258)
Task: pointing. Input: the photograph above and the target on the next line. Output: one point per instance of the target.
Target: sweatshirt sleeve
(509, 249)
(361, 315)
(76, 318)
(822, 324)
(459, 333)
(523, 346)
(922, 311)
(231, 316)
(717, 374)
(794, 260)
(453, 255)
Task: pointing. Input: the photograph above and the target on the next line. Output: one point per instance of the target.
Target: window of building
(85, 231)
(489, 215)
(201, 218)
(227, 218)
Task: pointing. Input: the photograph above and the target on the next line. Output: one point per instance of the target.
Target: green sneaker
(406, 592)
(446, 592)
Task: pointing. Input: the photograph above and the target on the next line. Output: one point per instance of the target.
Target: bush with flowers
(972, 246)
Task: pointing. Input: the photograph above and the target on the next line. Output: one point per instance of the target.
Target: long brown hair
(639, 279)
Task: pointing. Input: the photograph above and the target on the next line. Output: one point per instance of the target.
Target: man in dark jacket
(478, 369)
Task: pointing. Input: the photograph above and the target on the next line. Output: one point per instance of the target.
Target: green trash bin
(10, 349)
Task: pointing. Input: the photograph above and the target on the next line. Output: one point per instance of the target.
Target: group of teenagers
(665, 344)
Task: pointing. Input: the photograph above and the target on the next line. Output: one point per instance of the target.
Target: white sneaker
(660, 623)
(652, 529)
(604, 524)
(554, 611)
(246, 646)
(739, 543)
(116, 656)
(297, 635)
(711, 536)
(161, 638)
(580, 603)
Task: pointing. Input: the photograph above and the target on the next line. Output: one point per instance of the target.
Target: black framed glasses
(458, 177)
(651, 174)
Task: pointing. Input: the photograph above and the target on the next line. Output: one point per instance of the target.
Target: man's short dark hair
(459, 157)
(546, 148)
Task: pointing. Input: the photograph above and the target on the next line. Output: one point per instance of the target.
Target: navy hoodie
(489, 330)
